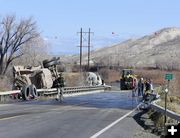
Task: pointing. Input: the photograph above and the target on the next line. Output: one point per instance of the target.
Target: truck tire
(49, 64)
(33, 91)
(45, 61)
(25, 92)
(50, 60)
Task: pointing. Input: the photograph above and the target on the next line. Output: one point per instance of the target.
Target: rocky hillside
(162, 48)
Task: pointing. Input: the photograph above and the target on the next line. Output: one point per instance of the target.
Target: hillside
(160, 48)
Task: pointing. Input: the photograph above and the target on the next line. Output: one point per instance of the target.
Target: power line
(82, 37)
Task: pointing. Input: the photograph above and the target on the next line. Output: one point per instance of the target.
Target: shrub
(4, 83)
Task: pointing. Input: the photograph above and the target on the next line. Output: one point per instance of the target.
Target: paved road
(77, 117)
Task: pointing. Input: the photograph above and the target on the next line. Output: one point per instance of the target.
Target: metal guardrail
(70, 90)
(67, 90)
(170, 113)
(9, 92)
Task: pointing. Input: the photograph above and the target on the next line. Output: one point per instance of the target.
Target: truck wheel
(33, 91)
(50, 60)
(49, 64)
(25, 92)
(46, 61)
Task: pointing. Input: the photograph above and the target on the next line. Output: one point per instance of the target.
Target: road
(76, 117)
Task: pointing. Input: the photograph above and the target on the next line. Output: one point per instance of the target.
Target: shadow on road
(141, 119)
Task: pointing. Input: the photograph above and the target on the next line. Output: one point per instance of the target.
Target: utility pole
(82, 37)
(89, 45)
(81, 50)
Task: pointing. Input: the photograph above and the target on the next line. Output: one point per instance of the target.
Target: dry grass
(109, 75)
(156, 75)
(172, 105)
(4, 84)
(74, 79)
(173, 100)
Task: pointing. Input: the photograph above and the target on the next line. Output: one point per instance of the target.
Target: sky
(60, 20)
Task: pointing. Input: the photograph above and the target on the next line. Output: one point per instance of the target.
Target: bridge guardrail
(70, 90)
(169, 113)
(52, 91)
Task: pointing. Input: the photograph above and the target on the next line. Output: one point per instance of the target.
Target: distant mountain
(160, 48)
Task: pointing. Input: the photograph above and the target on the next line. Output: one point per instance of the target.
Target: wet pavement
(122, 100)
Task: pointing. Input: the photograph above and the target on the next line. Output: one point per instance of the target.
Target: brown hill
(162, 48)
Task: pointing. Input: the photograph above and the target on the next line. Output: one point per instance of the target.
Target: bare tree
(34, 52)
(14, 35)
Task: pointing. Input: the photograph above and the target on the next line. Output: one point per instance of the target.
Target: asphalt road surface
(76, 117)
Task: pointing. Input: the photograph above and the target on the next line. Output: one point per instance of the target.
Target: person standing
(60, 88)
(135, 87)
(151, 85)
(147, 85)
(141, 87)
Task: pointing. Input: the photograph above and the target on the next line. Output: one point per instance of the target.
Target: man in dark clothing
(60, 87)
(148, 88)
(140, 87)
(147, 85)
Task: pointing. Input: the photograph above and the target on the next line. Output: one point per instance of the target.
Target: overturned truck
(29, 79)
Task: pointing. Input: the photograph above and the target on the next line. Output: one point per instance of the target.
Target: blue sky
(59, 20)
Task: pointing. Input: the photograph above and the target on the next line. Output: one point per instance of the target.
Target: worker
(148, 88)
(60, 88)
(135, 86)
(151, 86)
(141, 87)
(147, 85)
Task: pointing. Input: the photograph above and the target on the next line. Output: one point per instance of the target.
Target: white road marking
(113, 123)
(3, 105)
(7, 118)
(83, 93)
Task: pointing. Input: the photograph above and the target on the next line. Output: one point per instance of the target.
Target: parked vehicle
(127, 80)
